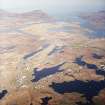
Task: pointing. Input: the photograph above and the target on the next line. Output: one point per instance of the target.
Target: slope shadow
(88, 89)
(3, 93)
(46, 72)
(97, 56)
(31, 54)
(56, 50)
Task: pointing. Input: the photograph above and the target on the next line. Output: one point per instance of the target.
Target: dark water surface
(88, 89)
(3, 93)
(45, 72)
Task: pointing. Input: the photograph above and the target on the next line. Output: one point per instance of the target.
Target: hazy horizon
(53, 7)
(23, 5)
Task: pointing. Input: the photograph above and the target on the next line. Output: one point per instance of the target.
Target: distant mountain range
(95, 16)
(36, 15)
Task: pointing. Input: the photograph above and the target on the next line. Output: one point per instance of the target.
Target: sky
(52, 6)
